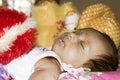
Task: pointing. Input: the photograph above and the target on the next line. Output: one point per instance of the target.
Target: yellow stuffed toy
(101, 17)
(47, 14)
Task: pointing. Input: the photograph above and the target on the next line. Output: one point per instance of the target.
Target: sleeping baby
(80, 51)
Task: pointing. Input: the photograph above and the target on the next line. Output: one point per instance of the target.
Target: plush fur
(47, 14)
(17, 34)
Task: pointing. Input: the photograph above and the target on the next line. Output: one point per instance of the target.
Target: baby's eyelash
(82, 44)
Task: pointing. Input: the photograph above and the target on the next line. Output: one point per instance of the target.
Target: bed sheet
(112, 75)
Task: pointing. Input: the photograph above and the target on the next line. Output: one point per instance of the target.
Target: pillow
(102, 18)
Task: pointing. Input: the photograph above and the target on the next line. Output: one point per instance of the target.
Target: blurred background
(82, 4)
(25, 5)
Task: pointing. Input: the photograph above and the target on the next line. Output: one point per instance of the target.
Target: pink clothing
(22, 67)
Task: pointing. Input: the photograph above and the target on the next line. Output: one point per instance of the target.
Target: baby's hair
(104, 62)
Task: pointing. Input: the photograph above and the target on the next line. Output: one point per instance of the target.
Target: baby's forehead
(89, 32)
(94, 36)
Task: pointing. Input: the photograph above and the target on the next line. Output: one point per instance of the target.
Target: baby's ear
(87, 69)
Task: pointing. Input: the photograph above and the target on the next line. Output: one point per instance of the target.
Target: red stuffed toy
(17, 34)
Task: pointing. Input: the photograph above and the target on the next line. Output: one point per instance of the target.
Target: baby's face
(78, 47)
